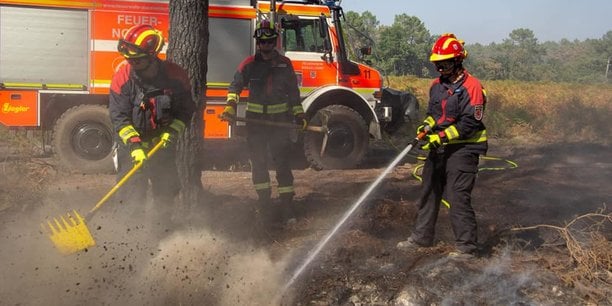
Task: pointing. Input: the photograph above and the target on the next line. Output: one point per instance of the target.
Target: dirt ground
(219, 252)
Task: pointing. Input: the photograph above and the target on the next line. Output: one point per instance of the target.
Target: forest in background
(535, 112)
(403, 48)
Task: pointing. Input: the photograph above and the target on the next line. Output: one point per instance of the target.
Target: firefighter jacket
(272, 84)
(457, 111)
(134, 100)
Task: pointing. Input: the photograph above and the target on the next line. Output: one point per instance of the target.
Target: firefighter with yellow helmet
(456, 137)
(150, 99)
(273, 96)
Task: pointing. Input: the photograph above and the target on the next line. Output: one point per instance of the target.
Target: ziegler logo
(15, 109)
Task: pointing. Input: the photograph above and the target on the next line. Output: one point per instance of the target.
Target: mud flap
(404, 109)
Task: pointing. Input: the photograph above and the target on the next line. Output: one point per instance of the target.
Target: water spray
(346, 215)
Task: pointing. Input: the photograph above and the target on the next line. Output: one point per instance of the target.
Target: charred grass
(577, 252)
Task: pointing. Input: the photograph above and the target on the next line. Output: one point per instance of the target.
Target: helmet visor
(129, 50)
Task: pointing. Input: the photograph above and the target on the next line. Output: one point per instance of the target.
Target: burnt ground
(220, 252)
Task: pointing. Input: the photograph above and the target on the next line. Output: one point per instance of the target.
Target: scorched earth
(219, 252)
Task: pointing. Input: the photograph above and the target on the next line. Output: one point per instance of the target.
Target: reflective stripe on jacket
(272, 84)
(127, 89)
(267, 108)
(460, 105)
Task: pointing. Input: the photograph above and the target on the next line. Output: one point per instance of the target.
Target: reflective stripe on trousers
(267, 108)
(260, 139)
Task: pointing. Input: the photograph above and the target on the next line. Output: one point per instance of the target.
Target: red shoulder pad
(121, 76)
(474, 90)
(245, 62)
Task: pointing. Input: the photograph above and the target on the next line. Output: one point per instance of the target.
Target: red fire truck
(57, 59)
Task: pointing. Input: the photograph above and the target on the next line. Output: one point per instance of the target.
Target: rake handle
(318, 129)
(124, 179)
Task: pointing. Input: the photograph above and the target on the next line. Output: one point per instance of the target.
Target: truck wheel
(83, 141)
(347, 139)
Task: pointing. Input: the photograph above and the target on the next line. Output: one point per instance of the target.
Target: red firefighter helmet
(140, 41)
(447, 47)
(265, 30)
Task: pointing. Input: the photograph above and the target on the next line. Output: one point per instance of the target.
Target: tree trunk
(188, 47)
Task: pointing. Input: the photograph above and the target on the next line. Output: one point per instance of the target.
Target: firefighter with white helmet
(273, 96)
(456, 137)
(150, 99)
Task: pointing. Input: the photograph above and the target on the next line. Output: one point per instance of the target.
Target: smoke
(197, 267)
(133, 265)
(496, 283)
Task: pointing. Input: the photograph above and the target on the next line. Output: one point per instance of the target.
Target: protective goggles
(445, 65)
(129, 50)
(265, 33)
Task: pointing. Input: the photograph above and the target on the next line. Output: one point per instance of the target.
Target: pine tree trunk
(188, 47)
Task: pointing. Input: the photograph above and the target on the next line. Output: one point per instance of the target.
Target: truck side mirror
(323, 33)
(323, 30)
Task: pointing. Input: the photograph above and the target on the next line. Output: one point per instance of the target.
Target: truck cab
(58, 57)
(344, 95)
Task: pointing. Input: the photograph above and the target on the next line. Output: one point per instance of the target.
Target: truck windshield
(302, 35)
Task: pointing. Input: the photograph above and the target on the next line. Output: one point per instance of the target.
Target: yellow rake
(69, 233)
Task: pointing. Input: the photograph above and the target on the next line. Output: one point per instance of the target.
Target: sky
(487, 21)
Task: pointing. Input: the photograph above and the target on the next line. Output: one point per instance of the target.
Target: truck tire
(83, 141)
(347, 142)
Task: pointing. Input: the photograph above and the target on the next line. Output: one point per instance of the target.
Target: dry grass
(589, 265)
(536, 112)
(22, 175)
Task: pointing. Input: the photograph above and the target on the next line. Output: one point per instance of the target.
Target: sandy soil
(221, 252)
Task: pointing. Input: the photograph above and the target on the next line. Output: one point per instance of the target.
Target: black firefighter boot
(263, 204)
(287, 207)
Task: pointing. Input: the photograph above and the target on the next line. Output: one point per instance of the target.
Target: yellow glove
(171, 132)
(138, 156)
(421, 128)
(427, 124)
(300, 118)
(229, 112)
(167, 139)
(136, 151)
(434, 141)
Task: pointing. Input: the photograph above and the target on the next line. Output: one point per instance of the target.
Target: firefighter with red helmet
(456, 137)
(273, 96)
(150, 100)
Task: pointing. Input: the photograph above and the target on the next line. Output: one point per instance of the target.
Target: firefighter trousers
(159, 173)
(266, 142)
(449, 173)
